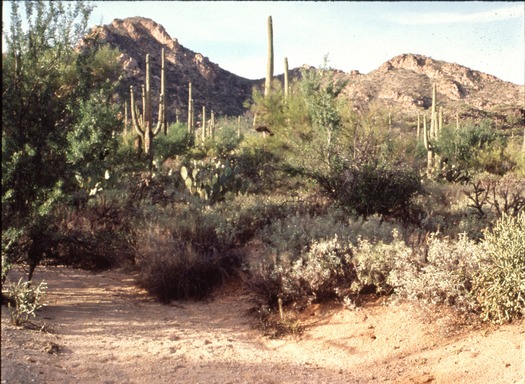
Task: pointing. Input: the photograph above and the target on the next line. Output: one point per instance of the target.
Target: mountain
(404, 83)
(213, 87)
(401, 85)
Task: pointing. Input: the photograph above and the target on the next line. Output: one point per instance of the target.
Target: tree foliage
(57, 119)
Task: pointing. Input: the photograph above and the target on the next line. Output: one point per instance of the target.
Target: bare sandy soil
(100, 328)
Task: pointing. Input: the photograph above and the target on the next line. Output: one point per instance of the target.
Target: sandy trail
(109, 331)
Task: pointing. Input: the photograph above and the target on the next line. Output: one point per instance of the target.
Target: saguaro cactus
(418, 126)
(126, 120)
(212, 124)
(190, 110)
(203, 123)
(144, 126)
(440, 121)
(429, 138)
(286, 81)
(269, 66)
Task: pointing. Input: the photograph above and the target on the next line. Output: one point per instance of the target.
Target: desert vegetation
(341, 203)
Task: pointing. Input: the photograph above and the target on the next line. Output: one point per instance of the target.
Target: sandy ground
(100, 328)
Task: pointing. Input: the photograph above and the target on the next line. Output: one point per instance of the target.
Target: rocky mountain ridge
(401, 85)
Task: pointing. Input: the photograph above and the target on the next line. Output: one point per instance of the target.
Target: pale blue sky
(485, 36)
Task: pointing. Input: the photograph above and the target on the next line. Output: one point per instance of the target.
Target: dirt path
(108, 331)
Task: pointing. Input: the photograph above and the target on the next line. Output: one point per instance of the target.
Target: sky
(484, 36)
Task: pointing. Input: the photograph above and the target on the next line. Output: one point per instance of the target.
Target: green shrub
(23, 300)
(259, 163)
(176, 142)
(499, 287)
(377, 189)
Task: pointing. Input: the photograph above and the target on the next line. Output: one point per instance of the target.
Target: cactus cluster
(212, 181)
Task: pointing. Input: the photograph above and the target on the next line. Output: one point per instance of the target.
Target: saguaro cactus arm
(134, 118)
(161, 118)
(426, 140)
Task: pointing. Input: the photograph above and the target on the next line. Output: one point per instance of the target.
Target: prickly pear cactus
(212, 180)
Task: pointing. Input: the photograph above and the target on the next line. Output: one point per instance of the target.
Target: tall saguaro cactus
(418, 126)
(269, 66)
(144, 126)
(203, 123)
(286, 80)
(190, 110)
(429, 138)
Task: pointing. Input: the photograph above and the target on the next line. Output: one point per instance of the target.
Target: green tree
(57, 120)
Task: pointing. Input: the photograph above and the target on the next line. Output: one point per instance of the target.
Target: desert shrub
(189, 256)
(375, 188)
(374, 263)
(292, 233)
(176, 142)
(369, 248)
(259, 160)
(315, 274)
(23, 300)
(172, 269)
(499, 287)
(474, 147)
(440, 274)
(490, 196)
(98, 236)
(245, 216)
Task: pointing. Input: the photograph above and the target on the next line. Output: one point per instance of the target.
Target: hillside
(402, 84)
